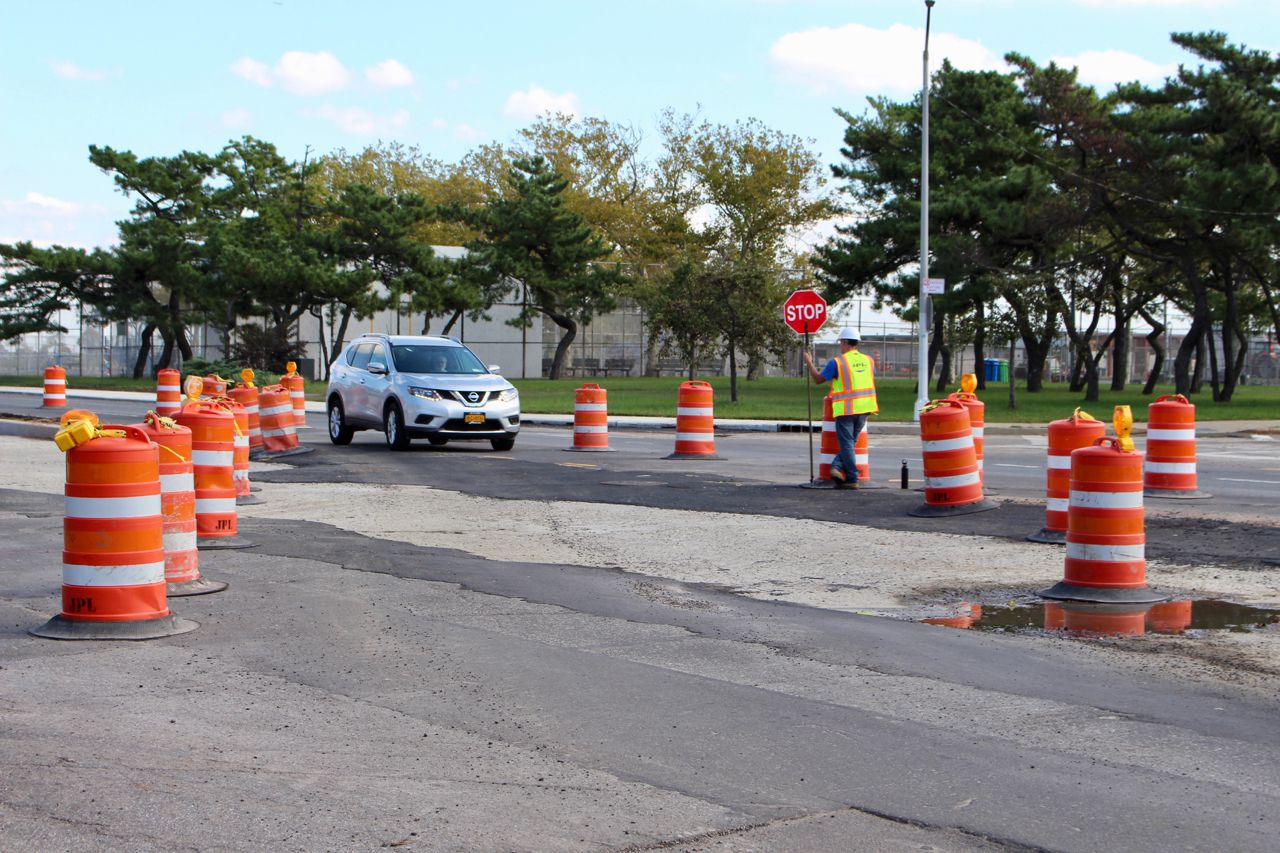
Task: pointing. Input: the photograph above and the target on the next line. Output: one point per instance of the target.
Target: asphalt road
(358, 693)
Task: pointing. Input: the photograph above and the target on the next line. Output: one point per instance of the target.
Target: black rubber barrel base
(1049, 537)
(693, 456)
(1063, 591)
(199, 586)
(248, 500)
(60, 628)
(931, 511)
(590, 449)
(269, 456)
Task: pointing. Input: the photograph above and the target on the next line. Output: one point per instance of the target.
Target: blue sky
(160, 77)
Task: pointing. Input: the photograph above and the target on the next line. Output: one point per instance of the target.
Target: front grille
(460, 425)
(481, 397)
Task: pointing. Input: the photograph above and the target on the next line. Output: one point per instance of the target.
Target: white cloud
(252, 70)
(39, 204)
(68, 70)
(536, 101)
(865, 59)
(361, 122)
(237, 119)
(440, 124)
(466, 131)
(1104, 68)
(296, 71)
(388, 73)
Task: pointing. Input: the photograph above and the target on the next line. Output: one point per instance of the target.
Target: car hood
(457, 382)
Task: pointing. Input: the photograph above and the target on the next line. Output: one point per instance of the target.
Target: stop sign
(804, 311)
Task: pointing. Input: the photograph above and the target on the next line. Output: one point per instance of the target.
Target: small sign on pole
(935, 286)
(805, 311)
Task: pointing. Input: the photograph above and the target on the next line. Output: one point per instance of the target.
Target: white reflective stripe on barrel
(241, 440)
(275, 410)
(952, 481)
(861, 458)
(1106, 553)
(947, 444)
(695, 436)
(1107, 500)
(828, 426)
(1171, 434)
(140, 506)
(251, 409)
(215, 506)
(213, 458)
(1170, 467)
(167, 389)
(1057, 504)
(296, 395)
(591, 407)
(271, 433)
(172, 483)
(55, 382)
(185, 541)
(694, 411)
(977, 431)
(826, 458)
(1060, 463)
(240, 474)
(135, 575)
(582, 428)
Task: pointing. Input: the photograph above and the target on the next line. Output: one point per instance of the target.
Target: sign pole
(808, 386)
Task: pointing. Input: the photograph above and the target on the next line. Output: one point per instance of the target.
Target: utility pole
(922, 388)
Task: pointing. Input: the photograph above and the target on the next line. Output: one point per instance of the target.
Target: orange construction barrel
(297, 396)
(1106, 529)
(215, 386)
(695, 421)
(247, 396)
(168, 392)
(55, 387)
(1065, 436)
(1170, 471)
(590, 418)
(275, 411)
(113, 572)
(951, 482)
(213, 432)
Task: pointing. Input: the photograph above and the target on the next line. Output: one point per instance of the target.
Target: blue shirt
(831, 371)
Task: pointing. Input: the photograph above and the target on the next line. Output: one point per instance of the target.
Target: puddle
(1109, 620)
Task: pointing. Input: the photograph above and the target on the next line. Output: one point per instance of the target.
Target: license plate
(476, 418)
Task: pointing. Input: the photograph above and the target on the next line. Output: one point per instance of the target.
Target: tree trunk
(651, 354)
(453, 321)
(733, 371)
(1183, 382)
(339, 340)
(1013, 386)
(944, 370)
(184, 346)
(1037, 351)
(1079, 358)
(566, 340)
(1155, 340)
(166, 351)
(1120, 351)
(1202, 358)
(144, 350)
(1214, 379)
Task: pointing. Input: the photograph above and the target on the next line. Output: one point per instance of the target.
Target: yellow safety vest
(853, 391)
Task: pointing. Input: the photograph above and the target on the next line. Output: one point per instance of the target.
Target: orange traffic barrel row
(275, 410)
(215, 386)
(862, 456)
(1170, 470)
(55, 387)
(695, 421)
(952, 485)
(213, 456)
(829, 446)
(168, 392)
(178, 508)
(977, 417)
(1065, 436)
(590, 418)
(113, 559)
(1106, 528)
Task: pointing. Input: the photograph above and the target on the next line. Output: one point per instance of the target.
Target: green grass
(778, 398)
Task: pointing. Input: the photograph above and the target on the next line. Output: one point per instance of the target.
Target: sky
(157, 78)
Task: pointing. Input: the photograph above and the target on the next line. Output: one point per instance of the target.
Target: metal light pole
(922, 387)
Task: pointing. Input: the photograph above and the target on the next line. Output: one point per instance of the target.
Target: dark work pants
(847, 429)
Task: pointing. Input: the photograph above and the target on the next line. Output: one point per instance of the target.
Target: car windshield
(426, 358)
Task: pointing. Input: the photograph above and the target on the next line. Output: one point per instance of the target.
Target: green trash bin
(1004, 370)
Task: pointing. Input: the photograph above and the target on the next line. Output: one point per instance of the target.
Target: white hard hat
(849, 333)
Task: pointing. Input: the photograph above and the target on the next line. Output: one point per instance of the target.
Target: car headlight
(425, 393)
(508, 395)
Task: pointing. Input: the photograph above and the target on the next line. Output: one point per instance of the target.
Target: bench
(673, 366)
(620, 366)
(585, 367)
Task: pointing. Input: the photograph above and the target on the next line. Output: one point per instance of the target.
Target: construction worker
(852, 375)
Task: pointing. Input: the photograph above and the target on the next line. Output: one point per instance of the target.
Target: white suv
(419, 386)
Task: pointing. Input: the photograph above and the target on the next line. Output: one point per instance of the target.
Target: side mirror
(494, 368)
(378, 369)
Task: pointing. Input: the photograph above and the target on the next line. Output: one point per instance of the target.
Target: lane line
(1011, 465)
(1237, 480)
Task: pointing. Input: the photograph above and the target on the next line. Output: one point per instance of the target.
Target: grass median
(783, 398)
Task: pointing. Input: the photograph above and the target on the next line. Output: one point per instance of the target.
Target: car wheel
(503, 443)
(438, 440)
(393, 427)
(339, 432)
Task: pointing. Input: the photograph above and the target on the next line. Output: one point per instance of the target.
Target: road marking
(1011, 465)
(1237, 480)
(576, 465)
(495, 457)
